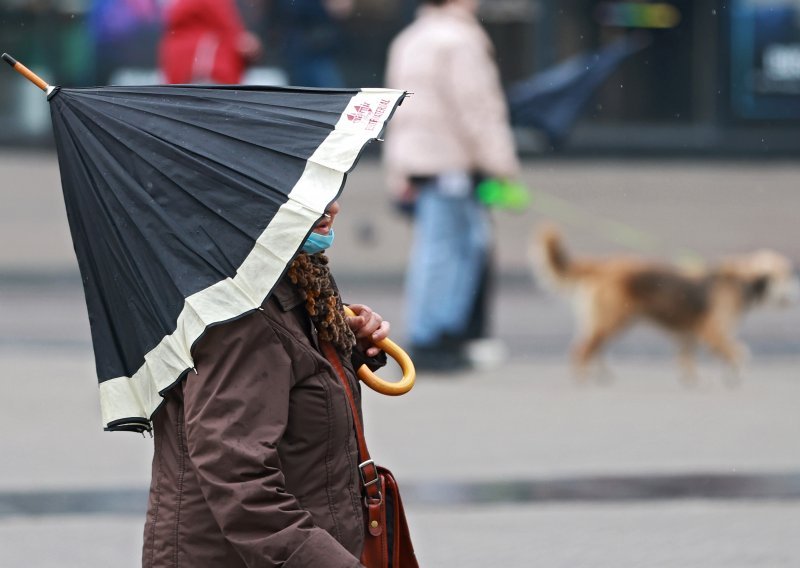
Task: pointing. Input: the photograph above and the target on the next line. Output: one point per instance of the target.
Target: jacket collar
(287, 294)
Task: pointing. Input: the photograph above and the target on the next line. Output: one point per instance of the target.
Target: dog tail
(550, 257)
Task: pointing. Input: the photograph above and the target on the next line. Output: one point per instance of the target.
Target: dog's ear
(756, 289)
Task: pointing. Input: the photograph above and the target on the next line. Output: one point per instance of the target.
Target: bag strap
(376, 551)
(367, 468)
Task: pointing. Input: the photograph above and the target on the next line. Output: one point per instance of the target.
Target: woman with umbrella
(199, 215)
(255, 458)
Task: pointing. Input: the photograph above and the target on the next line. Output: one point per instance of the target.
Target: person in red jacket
(205, 41)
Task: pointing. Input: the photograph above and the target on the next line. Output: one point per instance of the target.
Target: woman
(255, 459)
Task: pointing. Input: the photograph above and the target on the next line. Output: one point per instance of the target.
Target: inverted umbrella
(186, 204)
(553, 99)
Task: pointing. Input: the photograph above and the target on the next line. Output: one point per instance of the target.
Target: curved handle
(395, 352)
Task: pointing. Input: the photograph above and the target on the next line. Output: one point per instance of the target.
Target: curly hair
(311, 274)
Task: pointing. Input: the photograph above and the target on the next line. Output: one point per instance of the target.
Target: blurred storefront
(717, 76)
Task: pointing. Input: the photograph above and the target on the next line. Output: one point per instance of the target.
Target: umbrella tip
(27, 73)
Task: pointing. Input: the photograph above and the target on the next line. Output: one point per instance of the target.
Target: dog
(695, 307)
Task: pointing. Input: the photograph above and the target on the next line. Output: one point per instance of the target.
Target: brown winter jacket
(255, 460)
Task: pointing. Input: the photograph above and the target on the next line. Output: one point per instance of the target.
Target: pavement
(515, 465)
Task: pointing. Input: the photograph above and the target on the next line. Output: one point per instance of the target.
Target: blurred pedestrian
(452, 133)
(204, 41)
(312, 36)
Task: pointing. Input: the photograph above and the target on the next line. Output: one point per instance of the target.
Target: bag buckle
(362, 467)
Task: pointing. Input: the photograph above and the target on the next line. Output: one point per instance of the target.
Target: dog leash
(614, 231)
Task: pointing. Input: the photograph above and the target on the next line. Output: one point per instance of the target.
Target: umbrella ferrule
(27, 73)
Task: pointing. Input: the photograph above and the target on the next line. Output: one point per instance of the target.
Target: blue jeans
(451, 238)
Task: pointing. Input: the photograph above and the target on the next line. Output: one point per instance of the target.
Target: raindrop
(714, 12)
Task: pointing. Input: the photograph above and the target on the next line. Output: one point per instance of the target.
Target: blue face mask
(317, 243)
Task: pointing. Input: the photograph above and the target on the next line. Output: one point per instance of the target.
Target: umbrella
(186, 204)
(554, 98)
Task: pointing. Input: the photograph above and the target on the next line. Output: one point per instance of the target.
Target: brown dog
(696, 308)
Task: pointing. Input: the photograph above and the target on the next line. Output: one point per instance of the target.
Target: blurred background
(718, 76)
(667, 129)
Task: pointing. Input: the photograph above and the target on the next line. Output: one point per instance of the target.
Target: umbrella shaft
(25, 72)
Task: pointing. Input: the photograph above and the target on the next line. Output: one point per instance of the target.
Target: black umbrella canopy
(186, 204)
(553, 99)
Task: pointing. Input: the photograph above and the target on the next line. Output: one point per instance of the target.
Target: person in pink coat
(451, 134)
(205, 41)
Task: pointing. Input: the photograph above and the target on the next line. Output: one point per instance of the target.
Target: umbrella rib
(112, 214)
(194, 157)
(92, 173)
(199, 158)
(274, 117)
(210, 157)
(207, 97)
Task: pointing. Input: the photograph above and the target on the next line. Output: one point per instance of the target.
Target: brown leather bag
(387, 541)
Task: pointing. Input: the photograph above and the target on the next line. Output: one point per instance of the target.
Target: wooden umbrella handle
(395, 352)
(25, 72)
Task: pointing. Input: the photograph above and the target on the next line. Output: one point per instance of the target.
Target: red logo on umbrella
(364, 114)
(361, 112)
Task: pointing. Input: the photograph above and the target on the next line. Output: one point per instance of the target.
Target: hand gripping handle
(395, 352)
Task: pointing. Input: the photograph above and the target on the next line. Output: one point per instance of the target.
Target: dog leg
(600, 326)
(686, 352)
(604, 373)
(585, 351)
(727, 348)
(732, 375)
(580, 367)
